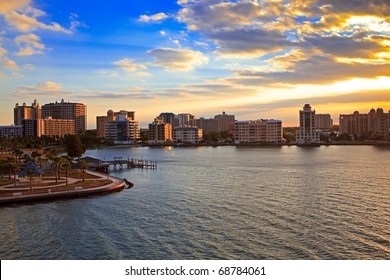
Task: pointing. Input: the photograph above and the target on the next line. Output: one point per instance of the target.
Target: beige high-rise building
(124, 129)
(225, 121)
(58, 127)
(102, 121)
(67, 111)
(259, 131)
(207, 125)
(375, 123)
(159, 132)
(323, 121)
(24, 112)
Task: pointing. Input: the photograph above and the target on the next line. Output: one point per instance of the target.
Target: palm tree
(83, 165)
(10, 162)
(3, 162)
(51, 154)
(57, 164)
(30, 173)
(16, 169)
(66, 163)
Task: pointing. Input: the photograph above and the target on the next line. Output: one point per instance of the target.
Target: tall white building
(307, 133)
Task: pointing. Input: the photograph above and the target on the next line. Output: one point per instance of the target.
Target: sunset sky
(254, 59)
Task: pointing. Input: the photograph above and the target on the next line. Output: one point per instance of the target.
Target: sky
(254, 59)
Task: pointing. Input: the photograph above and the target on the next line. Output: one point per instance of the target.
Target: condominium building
(170, 118)
(124, 129)
(323, 121)
(189, 134)
(33, 127)
(58, 127)
(207, 125)
(307, 133)
(225, 121)
(24, 112)
(101, 121)
(259, 131)
(159, 132)
(11, 131)
(185, 119)
(376, 123)
(67, 111)
(355, 123)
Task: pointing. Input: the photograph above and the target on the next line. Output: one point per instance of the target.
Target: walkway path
(116, 184)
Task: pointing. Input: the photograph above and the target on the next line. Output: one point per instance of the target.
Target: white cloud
(29, 44)
(27, 23)
(153, 18)
(21, 15)
(45, 89)
(129, 65)
(9, 64)
(10, 5)
(178, 59)
(2, 52)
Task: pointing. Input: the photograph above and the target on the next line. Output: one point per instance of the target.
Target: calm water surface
(219, 203)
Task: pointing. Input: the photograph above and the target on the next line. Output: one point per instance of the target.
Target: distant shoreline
(339, 143)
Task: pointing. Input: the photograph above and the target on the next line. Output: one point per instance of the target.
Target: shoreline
(340, 143)
(117, 184)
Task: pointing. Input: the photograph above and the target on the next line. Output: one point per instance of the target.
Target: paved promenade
(51, 193)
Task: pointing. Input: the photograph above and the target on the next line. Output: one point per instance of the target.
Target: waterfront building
(187, 134)
(11, 131)
(259, 131)
(207, 125)
(101, 121)
(307, 133)
(170, 118)
(323, 122)
(24, 112)
(376, 123)
(159, 132)
(58, 127)
(225, 121)
(67, 111)
(185, 119)
(124, 129)
(33, 127)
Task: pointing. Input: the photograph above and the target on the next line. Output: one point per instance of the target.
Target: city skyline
(253, 59)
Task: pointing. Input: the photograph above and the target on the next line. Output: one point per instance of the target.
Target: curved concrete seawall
(115, 185)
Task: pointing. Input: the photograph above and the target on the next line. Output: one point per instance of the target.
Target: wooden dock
(132, 163)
